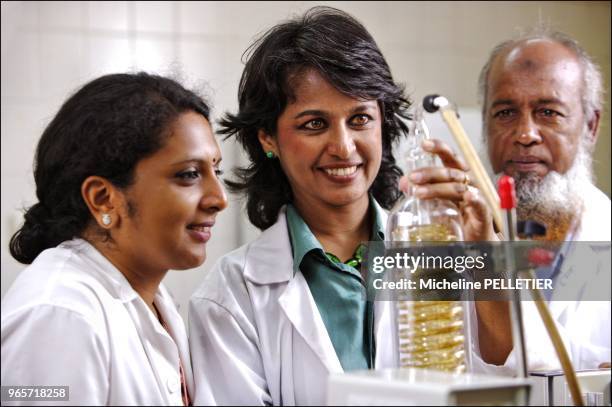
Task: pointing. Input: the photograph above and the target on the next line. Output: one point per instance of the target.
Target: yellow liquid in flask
(431, 333)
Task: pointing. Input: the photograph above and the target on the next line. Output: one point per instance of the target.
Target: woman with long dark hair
(127, 184)
(317, 118)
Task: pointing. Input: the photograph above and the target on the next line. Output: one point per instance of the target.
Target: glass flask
(430, 332)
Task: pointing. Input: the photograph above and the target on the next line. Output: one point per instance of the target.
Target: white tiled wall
(51, 48)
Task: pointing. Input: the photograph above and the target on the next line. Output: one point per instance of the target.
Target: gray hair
(592, 90)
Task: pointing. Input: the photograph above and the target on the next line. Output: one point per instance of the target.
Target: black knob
(428, 103)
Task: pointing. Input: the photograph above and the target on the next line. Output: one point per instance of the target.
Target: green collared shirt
(339, 292)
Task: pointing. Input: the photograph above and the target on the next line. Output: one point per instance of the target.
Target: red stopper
(540, 257)
(505, 189)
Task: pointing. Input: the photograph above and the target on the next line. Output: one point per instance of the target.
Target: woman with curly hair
(317, 118)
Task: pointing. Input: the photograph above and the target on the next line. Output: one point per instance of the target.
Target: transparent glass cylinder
(431, 333)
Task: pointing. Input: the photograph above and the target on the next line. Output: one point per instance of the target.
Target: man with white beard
(542, 101)
(541, 105)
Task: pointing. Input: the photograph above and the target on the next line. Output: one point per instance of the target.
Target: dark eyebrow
(188, 160)
(363, 108)
(314, 112)
(215, 161)
(550, 101)
(502, 102)
(309, 113)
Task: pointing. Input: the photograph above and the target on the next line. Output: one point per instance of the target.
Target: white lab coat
(584, 325)
(256, 335)
(72, 319)
(255, 332)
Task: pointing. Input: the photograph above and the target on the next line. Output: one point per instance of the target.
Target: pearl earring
(106, 219)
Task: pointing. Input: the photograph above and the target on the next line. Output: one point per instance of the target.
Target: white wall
(51, 48)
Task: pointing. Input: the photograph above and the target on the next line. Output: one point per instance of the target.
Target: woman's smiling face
(329, 144)
(175, 198)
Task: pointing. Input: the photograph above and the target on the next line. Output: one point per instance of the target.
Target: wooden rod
(555, 337)
(481, 178)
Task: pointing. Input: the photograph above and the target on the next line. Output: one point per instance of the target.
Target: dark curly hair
(342, 51)
(104, 129)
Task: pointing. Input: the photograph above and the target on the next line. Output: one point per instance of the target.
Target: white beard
(556, 196)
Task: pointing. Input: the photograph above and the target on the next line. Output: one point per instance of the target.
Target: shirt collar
(379, 224)
(105, 271)
(303, 240)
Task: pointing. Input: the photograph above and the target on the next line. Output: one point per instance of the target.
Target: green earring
(270, 154)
